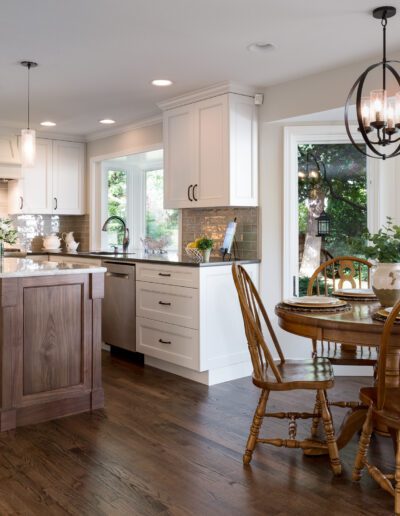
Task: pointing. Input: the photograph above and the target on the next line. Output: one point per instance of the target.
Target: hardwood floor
(165, 445)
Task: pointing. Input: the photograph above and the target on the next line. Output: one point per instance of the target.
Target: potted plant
(8, 235)
(205, 245)
(384, 249)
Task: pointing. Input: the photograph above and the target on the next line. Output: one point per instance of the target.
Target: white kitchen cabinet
(211, 153)
(54, 185)
(68, 177)
(179, 148)
(33, 193)
(197, 331)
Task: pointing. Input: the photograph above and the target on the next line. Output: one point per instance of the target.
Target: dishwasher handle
(117, 275)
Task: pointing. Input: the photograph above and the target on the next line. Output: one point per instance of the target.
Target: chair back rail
(337, 272)
(254, 314)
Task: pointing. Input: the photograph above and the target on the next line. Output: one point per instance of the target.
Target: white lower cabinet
(196, 332)
(168, 342)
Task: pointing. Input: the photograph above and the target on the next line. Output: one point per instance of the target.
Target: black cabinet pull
(55, 203)
(194, 197)
(163, 303)
(164, 274)
(164, 341)
(188, 193)
(21, 202)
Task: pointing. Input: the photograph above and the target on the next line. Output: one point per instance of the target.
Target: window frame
(317, 134)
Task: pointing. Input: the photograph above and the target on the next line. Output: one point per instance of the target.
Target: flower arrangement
(383, 246)
(8, 234)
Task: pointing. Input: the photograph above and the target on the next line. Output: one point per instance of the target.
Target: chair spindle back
(384, 347)
(337, 273)
(254, 314)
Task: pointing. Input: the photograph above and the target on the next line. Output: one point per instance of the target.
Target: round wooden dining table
(354, 327)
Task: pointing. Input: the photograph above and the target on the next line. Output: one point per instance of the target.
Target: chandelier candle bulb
(365, 111)
(390, 117)
(378, 107)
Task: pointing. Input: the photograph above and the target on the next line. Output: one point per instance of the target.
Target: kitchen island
(50, 340)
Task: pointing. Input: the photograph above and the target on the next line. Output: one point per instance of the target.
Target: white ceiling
(97, 57)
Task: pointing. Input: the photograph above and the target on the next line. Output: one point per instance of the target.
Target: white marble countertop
(22, 267)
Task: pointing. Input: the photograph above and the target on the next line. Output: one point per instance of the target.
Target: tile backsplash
(31, 229)
(212, 222)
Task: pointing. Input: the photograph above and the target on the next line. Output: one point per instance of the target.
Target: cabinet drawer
(168, 342)
(168, 275)
(167, 303)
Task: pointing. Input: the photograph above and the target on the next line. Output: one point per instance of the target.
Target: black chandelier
(378, 117)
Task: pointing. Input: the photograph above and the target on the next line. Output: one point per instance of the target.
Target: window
(331, 178)
(160, 223)
(116, 203)
(133, 189)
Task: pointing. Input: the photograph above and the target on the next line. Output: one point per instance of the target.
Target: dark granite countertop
(140, 256)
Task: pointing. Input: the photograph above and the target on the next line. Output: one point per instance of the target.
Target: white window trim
(95, 182)
(317, 134)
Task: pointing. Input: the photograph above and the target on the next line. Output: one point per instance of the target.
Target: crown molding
(220, 88)
(105, 133)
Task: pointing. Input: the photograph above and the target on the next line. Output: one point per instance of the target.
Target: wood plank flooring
(168, 446)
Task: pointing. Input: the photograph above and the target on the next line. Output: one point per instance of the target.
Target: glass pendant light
(28, 136)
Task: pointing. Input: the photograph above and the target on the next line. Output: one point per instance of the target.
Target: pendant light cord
(29, 67)
(384, 23)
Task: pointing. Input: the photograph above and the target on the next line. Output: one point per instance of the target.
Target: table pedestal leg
(352, 423)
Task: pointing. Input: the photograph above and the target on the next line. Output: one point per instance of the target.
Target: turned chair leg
(363, 446)
(317, 417)
(255, 427)
(397, 477)
(330, 434)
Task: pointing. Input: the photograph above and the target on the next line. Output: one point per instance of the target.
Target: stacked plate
(355, 294)
(385, 312)
(315, 303)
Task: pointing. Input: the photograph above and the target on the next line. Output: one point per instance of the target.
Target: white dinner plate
(357, 292)
(313, 300)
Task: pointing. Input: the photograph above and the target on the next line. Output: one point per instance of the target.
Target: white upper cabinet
(68, 177)
(179, 145)
(54, 185)
(211, 153)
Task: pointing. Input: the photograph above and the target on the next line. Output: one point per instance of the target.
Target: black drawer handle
(164, 341)
(164, 274)
(165, 304)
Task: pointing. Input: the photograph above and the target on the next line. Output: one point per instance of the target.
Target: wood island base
(50, 347)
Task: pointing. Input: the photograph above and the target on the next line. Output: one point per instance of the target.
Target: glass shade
(391, 114)
(28, 147)
(397, 108)
(365, 111)
(378, 106)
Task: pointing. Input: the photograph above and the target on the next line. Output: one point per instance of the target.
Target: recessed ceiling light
(47, 123)
(261, 46)
(161, 82)
(107, 121)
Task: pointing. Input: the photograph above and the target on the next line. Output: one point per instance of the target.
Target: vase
(386, 283)
(206, 255)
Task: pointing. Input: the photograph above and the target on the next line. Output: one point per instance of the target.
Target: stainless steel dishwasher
(119, 305)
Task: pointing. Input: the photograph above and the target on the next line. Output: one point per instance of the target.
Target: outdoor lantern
(378, 116)
(324, 224)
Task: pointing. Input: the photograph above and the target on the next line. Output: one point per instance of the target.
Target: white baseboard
(213, 377)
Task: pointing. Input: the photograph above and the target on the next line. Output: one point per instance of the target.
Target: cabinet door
(68, 178)
(33, 193)
(243, 151)
(211, 130)
(179, 158)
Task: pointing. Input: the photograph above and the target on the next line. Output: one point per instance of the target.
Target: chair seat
(361, 355)
(390, 414)
(311, 373)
